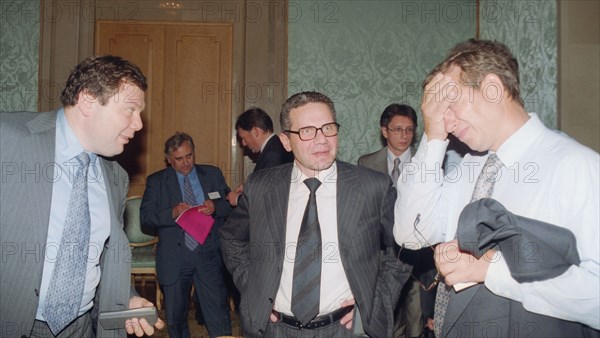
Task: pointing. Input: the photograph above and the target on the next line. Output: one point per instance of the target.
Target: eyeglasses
(400, 130)
(310, 132)
(438, 277)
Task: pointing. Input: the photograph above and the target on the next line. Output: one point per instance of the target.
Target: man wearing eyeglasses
(398, 123)
(303, 244)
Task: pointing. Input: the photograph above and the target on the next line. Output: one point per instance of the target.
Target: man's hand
(179, 208)
(141, 326)
(233, 196)
(459, 266)
(207, 208)
(347, 319)
(437, 96)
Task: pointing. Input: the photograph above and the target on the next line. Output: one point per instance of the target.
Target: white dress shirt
(334, 283)
(545, 176)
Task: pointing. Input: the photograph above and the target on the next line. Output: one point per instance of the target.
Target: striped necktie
(484, 187)
(306, 285)
(189, 198)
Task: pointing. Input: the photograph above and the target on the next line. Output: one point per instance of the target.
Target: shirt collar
(404, 158)
(67, 144)
(327, 176)
(262, 147)
(515, 147)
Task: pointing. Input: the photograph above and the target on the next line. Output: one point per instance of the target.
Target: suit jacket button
(37, 292)
(261, 332)
(271, 300)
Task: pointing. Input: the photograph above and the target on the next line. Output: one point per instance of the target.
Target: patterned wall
(529, 29)
(19, 43)
(367, 54)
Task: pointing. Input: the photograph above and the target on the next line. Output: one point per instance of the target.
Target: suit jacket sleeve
(392, 275)
(235, 237)
(222, 206)
(154, 212)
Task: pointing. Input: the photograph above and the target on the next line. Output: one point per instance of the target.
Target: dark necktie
(484, 187)
(189, 198)
(306, 286)
(65, 290)
(396, 171)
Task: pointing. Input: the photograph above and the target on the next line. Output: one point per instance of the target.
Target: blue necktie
(68, 278)
(484, 187)
(189, 198)
(306, 286)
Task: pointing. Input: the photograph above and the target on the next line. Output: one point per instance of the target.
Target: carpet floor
(196, 330)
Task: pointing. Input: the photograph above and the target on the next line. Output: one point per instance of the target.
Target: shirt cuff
(499, 281)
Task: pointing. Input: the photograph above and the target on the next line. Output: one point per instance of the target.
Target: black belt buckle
(318, 322)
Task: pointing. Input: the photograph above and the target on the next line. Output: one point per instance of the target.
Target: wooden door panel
(200, 66)
(189, 70)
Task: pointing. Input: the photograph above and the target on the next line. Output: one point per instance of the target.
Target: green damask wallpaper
(368, 54)
(19, 44)
(529, 29)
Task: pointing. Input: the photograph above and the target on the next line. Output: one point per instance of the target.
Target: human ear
(85, 102)
(285, 140)
(492, 88)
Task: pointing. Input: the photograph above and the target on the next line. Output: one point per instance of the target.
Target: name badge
(214, 195)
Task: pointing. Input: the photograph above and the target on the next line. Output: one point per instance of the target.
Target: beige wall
(579, 71)
(259, 48)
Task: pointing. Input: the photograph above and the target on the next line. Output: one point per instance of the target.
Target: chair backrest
(133, 228)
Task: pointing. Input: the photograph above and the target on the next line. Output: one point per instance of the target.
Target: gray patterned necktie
(306, 286)
(484, 187)
(68, 278)
(189, 198)
(396, 171)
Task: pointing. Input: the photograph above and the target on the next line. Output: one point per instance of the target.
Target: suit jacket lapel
(380, 160)
(173, 185)
(111, 190)
(276, 204)
(204, 182)
(43, 129)
(457, 304)
(347, 208)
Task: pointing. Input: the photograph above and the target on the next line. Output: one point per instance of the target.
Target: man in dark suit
(103, 99)
(180, 259)
(353, 205)
(255, 128)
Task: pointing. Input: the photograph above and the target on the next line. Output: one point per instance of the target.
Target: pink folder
(195, 223)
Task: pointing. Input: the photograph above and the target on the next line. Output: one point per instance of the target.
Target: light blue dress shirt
(196, 186)
(65, 166)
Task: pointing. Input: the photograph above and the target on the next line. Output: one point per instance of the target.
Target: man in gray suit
(354, 219)
(398, 124)
(102, 100)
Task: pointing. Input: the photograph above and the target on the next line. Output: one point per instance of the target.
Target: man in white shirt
(263, 238)
(543, 175)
